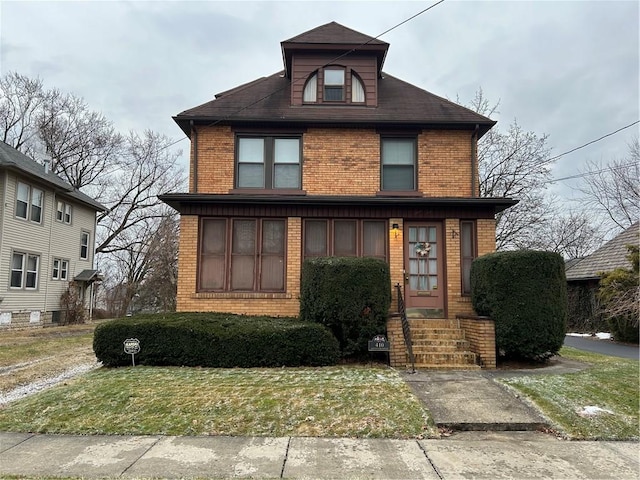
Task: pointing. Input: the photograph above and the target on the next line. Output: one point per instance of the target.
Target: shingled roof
(610, 256)
(12, 159)
(335, 38)
(267, 100)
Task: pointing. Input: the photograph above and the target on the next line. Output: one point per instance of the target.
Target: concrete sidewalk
(520, 455)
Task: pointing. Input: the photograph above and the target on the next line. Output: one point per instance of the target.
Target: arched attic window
(310, 93)
(357, 89)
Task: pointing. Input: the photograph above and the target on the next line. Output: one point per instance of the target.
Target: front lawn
(347, 401)
(610, 385)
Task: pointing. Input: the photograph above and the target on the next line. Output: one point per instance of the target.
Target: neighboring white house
(47, 238)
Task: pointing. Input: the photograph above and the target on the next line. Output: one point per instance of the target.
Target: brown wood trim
(399, 193)
(266, 191)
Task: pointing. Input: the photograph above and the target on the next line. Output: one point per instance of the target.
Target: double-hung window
(84, 245)
(398, 163)
(60, 269)
(269, 162)
(242, 254)
(24, 270)
(63, 212)
(334, 85)
(29, 201)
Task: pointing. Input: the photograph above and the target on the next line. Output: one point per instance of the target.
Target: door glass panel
(423, 258)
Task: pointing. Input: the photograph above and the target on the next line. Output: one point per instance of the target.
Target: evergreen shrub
(216, 340)
(351, 296)
(525, 293)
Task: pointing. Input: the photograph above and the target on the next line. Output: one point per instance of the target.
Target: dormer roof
(335, 38)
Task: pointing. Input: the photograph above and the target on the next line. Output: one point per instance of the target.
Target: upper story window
(334, 85)
(84, 245)
(63, 212)
(398, 163)
(29, 202)
(268, 162)
(335, 81)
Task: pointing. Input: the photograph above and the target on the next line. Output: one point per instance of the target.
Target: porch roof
(186, 201)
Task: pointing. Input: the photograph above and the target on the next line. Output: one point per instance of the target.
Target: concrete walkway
(519, 455)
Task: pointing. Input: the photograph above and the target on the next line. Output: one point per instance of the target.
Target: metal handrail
(406, 328)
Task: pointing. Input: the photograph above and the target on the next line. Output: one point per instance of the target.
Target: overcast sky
(566, 69)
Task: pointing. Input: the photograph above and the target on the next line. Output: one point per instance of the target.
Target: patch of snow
(592, 411)
(603, 335)
(35, 387)
(578, 334)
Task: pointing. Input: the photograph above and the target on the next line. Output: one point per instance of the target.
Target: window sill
(267, 191)
(242, 295)
(399, 193)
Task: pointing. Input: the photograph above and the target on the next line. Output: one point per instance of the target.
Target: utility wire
(294, 81)
(592, 142)
(593, 172)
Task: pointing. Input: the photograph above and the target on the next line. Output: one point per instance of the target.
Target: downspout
(194, 166)
(474, 160)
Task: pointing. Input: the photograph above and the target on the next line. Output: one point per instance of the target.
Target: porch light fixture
(395, 228)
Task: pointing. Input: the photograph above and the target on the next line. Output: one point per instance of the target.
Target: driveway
(604, 347)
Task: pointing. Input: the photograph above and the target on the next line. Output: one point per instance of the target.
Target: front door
(423, 266)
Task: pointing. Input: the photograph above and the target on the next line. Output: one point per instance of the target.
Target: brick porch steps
(440, 344)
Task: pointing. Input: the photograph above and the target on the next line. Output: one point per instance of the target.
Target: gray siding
(50, 239)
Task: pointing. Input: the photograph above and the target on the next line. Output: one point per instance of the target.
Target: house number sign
(131, 347)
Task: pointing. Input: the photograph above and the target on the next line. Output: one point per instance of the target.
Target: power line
(592, 142)
(593, 172)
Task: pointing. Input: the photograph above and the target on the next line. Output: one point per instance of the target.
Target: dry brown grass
(32, 354)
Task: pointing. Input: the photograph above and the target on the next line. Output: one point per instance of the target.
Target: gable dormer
(334, 65)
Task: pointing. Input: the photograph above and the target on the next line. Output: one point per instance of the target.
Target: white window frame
(63, 212)
(60, 270)
(29, 203)
(85, 238)
(25, 271)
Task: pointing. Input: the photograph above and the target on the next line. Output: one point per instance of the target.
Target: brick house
(331, 157)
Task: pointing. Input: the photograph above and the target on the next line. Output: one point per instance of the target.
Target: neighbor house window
(398, 163)
(84, 245)
(345, 238)
(24, 270)
(334, 85)
(29, 202)
(60, 269)
(269, 162)
(63, 212)
(242, 254)
(468, 253)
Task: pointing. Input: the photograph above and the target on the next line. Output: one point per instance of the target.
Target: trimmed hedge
(525, 293)
(349, 295)
(216, 340)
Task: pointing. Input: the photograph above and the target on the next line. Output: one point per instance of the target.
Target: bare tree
(21, 101)
(613, 191)
(571, 234)
(125, 173)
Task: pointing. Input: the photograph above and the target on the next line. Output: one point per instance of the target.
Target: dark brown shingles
(334, 33)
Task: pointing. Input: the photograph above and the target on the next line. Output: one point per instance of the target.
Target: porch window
(345, 238)
(268, 162)
(468, 253)
(398, 163)
(241, 254)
